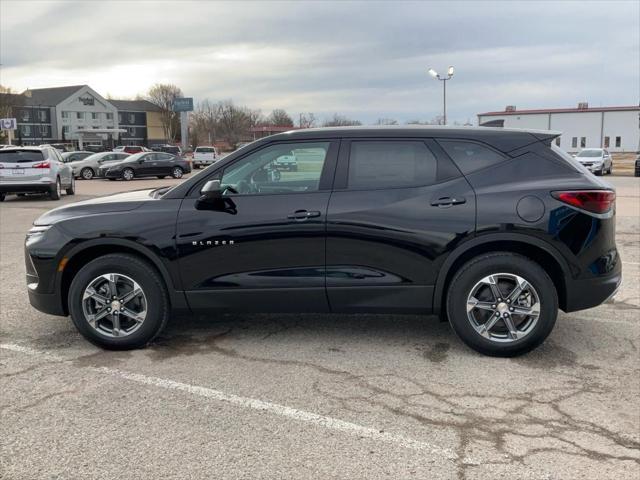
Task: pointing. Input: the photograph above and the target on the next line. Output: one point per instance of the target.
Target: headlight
(37, 230)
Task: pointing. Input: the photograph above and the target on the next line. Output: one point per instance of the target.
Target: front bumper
(50, 303)
(112, 174)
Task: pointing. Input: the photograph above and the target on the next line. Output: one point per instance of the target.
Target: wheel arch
(92, 249)
(537, 250)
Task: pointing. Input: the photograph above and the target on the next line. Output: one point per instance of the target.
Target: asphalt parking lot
(316, 396)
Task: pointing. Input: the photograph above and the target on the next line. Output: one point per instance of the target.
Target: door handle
(448, 201)
(301, 215)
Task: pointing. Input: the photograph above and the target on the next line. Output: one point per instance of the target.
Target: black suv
(493, 229)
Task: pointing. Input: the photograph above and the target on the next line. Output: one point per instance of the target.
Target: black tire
(87, 173)
(149, 280)
(112, 179)
(72, 188)
(55, 190)
(480, 267)
(128, 174)
(2, 197)
(161, 176)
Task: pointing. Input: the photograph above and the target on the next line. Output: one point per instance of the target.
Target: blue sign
(183, 104)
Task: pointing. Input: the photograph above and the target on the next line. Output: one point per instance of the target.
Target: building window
(26, 130)
(80, 115)
(80, 127)
(109, 116)
(42, 114)
(131, 131)
(132, 118)
(95, 127)
(558, 141)
(64, 114)
(583, 142)
(119, 118)
(25, 116)
(606, 142)
(44, 131)
(618, 142)
(65, 129)
(95, 116)
(574, 142)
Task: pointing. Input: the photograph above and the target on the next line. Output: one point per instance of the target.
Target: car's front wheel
(87, 173)
(118, 301)
(502, 304)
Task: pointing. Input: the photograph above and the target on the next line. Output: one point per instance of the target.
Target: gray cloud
(363, 59)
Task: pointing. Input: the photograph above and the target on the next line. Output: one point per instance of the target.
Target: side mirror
(211, 189)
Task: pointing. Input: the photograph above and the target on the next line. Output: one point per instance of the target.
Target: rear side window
(21, 156)
(391, 164)
(469, 156)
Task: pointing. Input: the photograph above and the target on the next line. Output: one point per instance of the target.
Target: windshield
(204, 150)
(21, 156)
(590, 153)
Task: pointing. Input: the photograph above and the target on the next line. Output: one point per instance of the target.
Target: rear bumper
(10, 187)
(591, 292)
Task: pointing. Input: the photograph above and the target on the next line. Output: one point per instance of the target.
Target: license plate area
(17, 171)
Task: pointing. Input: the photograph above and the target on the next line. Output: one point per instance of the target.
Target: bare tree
(234, 123)
(279, 118)
(340, 121)
(386, 121)
(307, 120)
(163, 95)
(437, 120)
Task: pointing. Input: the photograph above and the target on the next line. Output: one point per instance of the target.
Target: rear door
(398, 207)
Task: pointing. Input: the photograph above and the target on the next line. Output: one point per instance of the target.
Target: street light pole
(444, 79)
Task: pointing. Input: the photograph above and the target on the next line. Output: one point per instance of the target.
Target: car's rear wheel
(119, 302)
(71, 190)
(55, 191)
(87, 173)
(128, 174)
(502, 304)
(176, 172)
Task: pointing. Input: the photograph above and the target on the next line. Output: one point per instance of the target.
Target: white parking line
(254, 404)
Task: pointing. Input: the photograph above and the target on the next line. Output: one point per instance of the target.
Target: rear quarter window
(471, 156)
(21, 156)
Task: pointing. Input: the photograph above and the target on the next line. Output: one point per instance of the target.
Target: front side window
(390, 164)
(469, 156)
(282, 168)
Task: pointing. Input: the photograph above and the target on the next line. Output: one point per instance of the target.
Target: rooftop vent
(583, 106)
(510, 108)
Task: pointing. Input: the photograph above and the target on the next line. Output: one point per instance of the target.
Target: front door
(261, 248)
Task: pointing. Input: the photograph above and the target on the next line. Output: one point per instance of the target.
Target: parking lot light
(437, 76)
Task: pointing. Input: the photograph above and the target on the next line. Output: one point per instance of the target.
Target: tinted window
(20, 156)
(205, 150)
(259, 173)
(469, 156)
(389, 164)
(164, 156)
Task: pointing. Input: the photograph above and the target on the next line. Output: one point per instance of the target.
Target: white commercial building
(615, 128)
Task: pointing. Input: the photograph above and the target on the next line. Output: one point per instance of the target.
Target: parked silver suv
(34, 169)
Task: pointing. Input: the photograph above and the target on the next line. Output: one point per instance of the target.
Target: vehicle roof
(34, 147)
(504, 139)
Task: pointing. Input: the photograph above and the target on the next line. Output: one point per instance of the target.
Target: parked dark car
(146, 164)
(95, 148)
(494, 229)
(131, 149)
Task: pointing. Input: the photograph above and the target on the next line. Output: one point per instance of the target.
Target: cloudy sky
(364, 60)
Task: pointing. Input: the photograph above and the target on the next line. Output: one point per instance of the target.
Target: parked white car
(596, 160)
(204, 156)
(88, 167)
(34, 170)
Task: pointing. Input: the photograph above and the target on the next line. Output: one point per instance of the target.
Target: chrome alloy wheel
(503, 307)
(114, 305)
(127, 174)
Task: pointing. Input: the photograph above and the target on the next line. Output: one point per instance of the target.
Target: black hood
(119, 202)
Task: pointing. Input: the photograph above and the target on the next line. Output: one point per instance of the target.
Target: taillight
(46, 164)
(595, 201)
